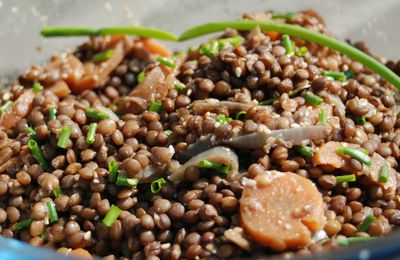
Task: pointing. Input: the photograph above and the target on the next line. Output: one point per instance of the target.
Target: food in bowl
(273, 138)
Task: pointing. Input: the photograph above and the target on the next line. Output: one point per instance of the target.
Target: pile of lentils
(189, 220)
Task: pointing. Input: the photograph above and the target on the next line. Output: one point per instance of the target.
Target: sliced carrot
(374, 171)
(272, 35)
(155, 47)
(327, 154)
(281, 210)
(81, 253)
(19, 109)
(60, 89)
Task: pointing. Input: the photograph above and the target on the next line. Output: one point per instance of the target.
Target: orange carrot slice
(281, 210)
(60, 89)
(155, 47)
(327, 154)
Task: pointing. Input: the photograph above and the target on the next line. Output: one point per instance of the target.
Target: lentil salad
(115, 151)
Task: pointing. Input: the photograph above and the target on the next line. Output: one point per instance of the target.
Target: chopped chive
(111, 216)
(240, 115)
(165, 61)
(53, 215)
(222, 119)
(90, 112)
(91, 134)
(363, 227)
(360, 120)
(268, 101)
(283, 16)
(37, 87)
(52, 113)
(122, 180)
(355, 153)
(155, 106)
(302, 51)
(5, 106)
(288, 44)
(168, 132)
(313, 99)
(217, 167)
(340, 76)
(305, 151)
(64, 136)
(291, 94)
(56, 192)
(101, 56)
(349, 241)
(210, 49)
(302, 33)
(346, 178)
(234, 41)
(112, 171)
(179, 86)
(140, 77)
(384, 174)
(22, 224)
(349, 74)
(31, 132)
(131, 30)
(156, 185)
(37, 154)
(323, 117)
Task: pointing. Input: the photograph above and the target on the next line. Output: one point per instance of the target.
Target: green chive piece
(288, 44)
(91, 134)
(155, 106)
(112, 171)
(82, 31)
(313, 99)
(168, 132)
(102, 56)
(193, 48)
(31, 132)
(234, 41)
(37, 154)
(64, 136)
(218, 168)
(122, 180)
(346, 178)
(53, 215)
(363, 227)
(323, 117)
(305, 151)
(340, 76)
(56, 192)
(349, 74)
(210, 49)
(292, 93)
(240, 115)
(179, 86)
(140, 77)
(384, 174)
(302, 33)
(156, 185)
(111, 216)
(37, 87)
(349, 241)
(5, 106)
(283, 16)
(52, 113)
(222, 119)
(90, 112)
(360, 120)
(22, 224)
(355, 153)
(165, 61)
(302, 51)
(268, 101)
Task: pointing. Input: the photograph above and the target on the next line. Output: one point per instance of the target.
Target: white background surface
(375, 21)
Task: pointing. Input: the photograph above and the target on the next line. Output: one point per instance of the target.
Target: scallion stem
(349, 241)
(313, 99)
(288, 45)
(64, 136)
(112, 171)
(37, 154)
(37, 87)
(155, 106)
(340, 76)
(240, 115)
(283, 16)
(323, 117)
(384, 174)
(31, 132)
(346, 178)
(302, 51)
(166, 61)
(112, 215)
(217, 167)
(305, 151)
(360, 120)
(363, 227)
(52, 113)
(302, 33)
(5, 106)
(222, 119)
(91, 134)
(22, 224)
(156, 185)
(140, 77)
(53, 215)
(90, 112)
(105, 55)
(179, 86)
(355, 153)
(56, 192)
(123, 181)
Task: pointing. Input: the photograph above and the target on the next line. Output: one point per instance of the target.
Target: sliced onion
(203, 144)
(151, 173)
(217, 154)
(337, 102)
